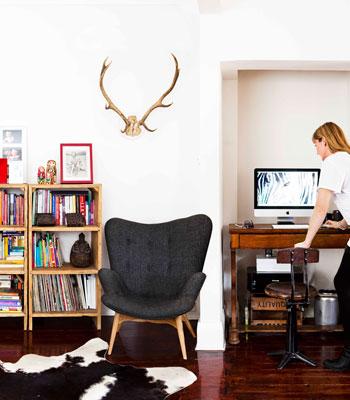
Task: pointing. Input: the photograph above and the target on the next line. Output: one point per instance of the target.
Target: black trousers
(342, 286)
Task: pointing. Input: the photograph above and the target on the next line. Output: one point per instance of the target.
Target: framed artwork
(76, 163)
(13, 146)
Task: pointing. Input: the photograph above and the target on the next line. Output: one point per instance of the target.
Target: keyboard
(291, 226)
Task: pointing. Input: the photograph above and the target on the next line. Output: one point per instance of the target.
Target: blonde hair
(333, 135)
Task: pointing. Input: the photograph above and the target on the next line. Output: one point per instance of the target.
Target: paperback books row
(64, 292)
(10, 300)
(11, 249)
(46, 251)
(11, 208)
(61, 203)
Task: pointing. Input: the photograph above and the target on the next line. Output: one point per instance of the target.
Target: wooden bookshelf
(17, 270)
(95, 232)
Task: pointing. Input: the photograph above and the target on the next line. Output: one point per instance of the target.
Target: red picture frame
(76, 163)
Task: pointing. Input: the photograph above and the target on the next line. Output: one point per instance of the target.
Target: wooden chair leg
(115, 329)
(180, 332)
(189, 326)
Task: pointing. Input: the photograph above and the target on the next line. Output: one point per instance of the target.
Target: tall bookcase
(95, 233)
(20, 271)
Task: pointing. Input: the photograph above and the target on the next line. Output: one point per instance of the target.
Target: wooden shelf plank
(64, 270)
(11, 314)
(12, 270)
(61, 228)
(19, 228)
(68, 186)
(80, 313)
(13, 186)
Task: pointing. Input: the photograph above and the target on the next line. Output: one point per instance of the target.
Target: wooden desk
(263, 236)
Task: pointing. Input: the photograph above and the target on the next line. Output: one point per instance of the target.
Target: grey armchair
(156, 271)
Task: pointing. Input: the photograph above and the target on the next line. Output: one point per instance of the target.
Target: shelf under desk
(263, 236)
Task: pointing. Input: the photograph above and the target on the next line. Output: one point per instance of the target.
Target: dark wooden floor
(243, 372)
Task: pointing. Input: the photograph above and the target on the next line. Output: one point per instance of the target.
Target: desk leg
(233, 331)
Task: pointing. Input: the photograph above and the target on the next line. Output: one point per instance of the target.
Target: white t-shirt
(335, 176)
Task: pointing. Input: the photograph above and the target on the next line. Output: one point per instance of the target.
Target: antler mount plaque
(132, 124)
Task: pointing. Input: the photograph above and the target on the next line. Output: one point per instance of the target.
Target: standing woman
(334, 150)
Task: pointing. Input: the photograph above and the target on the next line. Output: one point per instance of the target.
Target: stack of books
(11, 249)
(10, 300)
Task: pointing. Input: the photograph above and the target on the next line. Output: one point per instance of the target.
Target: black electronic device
(256, 283)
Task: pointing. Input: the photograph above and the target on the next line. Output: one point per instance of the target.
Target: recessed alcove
(270, 110)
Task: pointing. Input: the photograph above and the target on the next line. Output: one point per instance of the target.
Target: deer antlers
(132, 125)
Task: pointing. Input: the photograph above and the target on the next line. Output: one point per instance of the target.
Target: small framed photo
(13, 146)
(76, 163)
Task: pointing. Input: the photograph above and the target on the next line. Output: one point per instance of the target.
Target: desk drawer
(280, 241)
(269, 241)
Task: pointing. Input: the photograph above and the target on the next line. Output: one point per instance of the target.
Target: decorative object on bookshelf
(75, 219)
(80, 254)
(13, 147)
(45, 219)
(51, 172)
(76, 163)
(41, 175)
(132, 124)
(4, 170)
(35, 376)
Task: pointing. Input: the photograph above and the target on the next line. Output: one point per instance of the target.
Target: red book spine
(3, 170)
(82, 209)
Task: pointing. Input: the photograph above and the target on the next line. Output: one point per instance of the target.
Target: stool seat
(283, 290)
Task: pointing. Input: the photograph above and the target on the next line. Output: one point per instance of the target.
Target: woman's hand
(336, 224)
(304, 245)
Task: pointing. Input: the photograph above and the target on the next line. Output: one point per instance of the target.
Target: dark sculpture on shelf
(81, 255)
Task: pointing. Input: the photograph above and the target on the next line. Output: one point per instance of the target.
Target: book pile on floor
(64, 292)
(10, 300)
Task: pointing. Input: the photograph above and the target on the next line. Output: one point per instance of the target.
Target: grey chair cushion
(155, 268)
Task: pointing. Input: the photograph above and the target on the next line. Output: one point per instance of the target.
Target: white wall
(52, 53)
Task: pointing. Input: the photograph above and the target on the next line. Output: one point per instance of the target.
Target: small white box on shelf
(269, 264)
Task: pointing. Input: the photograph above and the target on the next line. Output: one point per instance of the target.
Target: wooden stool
(297, 295)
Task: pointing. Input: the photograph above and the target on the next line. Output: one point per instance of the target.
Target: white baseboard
(211, 335)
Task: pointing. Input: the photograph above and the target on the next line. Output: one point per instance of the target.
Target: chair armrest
(111, 281)
(193, 286)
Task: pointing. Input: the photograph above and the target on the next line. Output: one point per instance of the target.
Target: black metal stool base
(295, 356)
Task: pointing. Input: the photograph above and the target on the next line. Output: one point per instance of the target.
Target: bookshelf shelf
(67, 269)
(12, 228)
(53, 275)
(13, 271)
(12, 314)
(61, 228)
(80, 313)
(21, 211)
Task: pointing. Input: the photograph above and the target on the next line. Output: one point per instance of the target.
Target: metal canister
(326, 307)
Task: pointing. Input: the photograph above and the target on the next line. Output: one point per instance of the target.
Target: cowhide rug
(85, 374)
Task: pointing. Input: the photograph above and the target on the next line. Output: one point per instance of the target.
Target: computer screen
(285, 191)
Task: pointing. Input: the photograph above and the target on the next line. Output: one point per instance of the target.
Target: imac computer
(285, 192)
